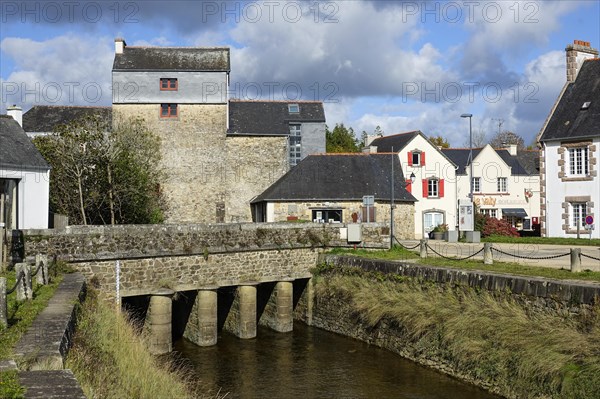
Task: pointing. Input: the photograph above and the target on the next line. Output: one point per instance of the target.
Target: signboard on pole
(466, 215)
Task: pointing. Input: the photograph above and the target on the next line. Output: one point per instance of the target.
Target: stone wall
(193, 152)
(253, 164)
(186, 257)
(403, 213)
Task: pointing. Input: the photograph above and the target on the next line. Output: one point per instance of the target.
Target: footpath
(543, 255)
(41, 352)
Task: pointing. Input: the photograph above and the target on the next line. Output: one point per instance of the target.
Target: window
(433, 188)
(579, 161)
(168, 84)
(327, 215)
(493, 213)
(293, 108)
(416, 158)
(501, 185)
(295, 150)
(168, 110)
(578, 214)
(476, 182)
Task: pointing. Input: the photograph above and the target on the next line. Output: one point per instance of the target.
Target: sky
(400, 65)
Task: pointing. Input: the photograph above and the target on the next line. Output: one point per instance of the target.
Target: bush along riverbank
(492, 339)
(110, 359)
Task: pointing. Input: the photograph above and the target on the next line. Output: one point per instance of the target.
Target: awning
(516, 212)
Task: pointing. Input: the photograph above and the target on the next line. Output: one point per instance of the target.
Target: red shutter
(425, 188)
(422, 159)
(409, 186)
(441, 188)
(410, 158)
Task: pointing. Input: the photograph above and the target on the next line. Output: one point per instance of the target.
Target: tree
(478, 139)
(439, 141)
(102, 175)
(501, 140)
(341, 139)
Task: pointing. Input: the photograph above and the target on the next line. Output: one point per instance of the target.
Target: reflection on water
(312, 363)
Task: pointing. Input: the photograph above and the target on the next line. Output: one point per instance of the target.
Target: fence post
(41, 262)
(24, 291)
(575, 260)
(423, 248)
(487, 253)
(1, 247)
(3, 304)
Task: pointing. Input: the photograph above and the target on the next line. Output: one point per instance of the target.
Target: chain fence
(530, 257)
(590, 257)
(406, 247)
(453, 258)
(19, 277)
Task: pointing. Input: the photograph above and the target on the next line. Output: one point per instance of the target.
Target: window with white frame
(578, 213)
(416, 158)
(433, 188)
(579, 161)
(493, 213)
(295, 150)
(501, 185)
(476, 182)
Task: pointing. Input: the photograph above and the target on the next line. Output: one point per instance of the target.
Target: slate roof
(197, 59)
(16, 149)
(339, 177)
(460, 156)
(270, 117)
(569, 120)
(43, 118)
(397, 141)
(525, 163)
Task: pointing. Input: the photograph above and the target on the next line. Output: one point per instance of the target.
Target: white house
(434, 184)
(570, 142)
(506, 183)
(24, 179)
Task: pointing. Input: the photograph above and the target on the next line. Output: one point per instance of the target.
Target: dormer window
(168, 84)
(293, 108)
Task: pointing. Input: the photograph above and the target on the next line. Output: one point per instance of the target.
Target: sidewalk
(535, 251)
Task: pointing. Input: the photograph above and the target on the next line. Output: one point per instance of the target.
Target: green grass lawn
(20, 317)
(400, 254)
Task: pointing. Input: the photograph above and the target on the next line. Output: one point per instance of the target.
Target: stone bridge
(193, 280)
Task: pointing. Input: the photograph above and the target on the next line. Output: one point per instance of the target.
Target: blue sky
(401, 65)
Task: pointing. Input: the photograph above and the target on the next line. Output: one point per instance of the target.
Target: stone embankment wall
(186, 257)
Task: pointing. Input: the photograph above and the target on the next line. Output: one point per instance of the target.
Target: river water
(312, 363)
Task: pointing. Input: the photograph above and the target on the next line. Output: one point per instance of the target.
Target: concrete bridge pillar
(158, 321)
(284, 320)
(202, 325)
(247, 309)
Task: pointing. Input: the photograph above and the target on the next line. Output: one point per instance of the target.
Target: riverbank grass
(110, 359)
(489, 338)
(400, 254)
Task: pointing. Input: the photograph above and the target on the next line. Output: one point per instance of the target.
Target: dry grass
(111, 361)
(491, 338)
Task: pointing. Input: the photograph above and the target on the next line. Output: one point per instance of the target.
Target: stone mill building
(217, 154)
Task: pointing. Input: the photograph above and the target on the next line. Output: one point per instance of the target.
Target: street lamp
(470, 116)
(412, 180)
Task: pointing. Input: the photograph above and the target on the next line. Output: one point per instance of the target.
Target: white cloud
(64, 70)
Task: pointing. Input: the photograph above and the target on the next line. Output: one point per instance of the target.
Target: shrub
(498, 227)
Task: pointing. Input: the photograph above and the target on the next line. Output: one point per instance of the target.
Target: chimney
(16, 112)
(119, 45)
(578, 52)
(512, 149)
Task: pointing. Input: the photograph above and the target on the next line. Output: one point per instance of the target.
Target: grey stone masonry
(48, 340)
(51, 384)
